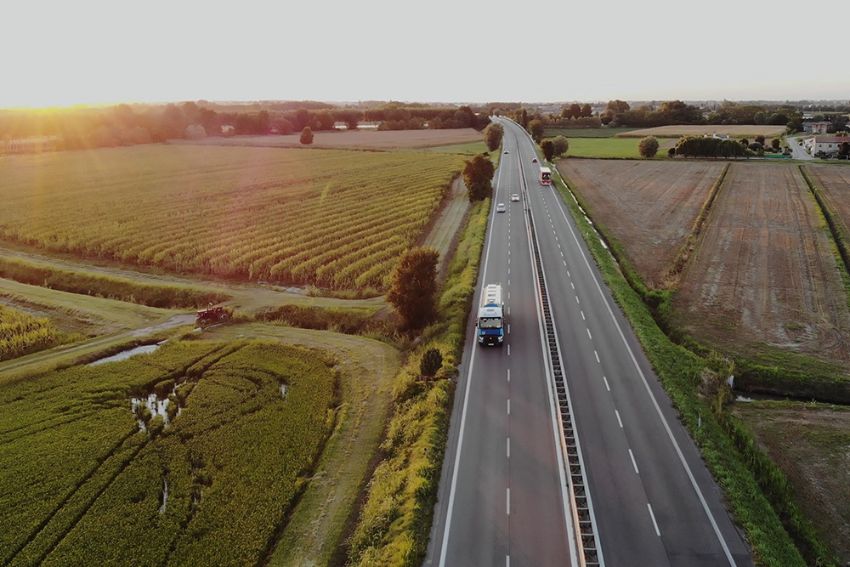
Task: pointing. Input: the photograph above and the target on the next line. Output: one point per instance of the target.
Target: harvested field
(765, 271)
(355, 139)
(735, 131)
(649, 207)
(834, 183)
(811, 444)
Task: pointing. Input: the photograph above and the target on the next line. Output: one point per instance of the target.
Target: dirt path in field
(64, 354)
(444, 232)
(248, 297)
(765, 271)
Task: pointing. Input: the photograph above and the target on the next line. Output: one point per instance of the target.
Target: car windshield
(490, 323)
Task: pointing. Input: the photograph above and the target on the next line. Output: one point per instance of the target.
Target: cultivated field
(811, 444)
(649, 207)
(356, 139)
(336, 219)
(21, 333)
(735, 131)
(765, 271)
(191, 455)
(834, 185)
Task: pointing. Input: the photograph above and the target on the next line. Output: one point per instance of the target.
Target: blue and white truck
(490, 325)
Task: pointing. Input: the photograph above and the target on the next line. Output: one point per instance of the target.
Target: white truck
(490, 325)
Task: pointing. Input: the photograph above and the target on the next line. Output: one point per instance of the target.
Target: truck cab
(490, 324)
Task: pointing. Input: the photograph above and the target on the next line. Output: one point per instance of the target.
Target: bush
(548, 147)
(648, 147)
(431, 362)
(306, 136)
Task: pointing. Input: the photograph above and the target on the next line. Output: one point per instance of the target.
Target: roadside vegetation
(395, 521)
(221, 431)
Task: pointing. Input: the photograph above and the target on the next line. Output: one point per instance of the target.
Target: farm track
(444, 230)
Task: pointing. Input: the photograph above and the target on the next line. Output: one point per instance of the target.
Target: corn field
(335, 219)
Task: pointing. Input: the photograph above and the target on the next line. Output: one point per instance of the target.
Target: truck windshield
(490, 323)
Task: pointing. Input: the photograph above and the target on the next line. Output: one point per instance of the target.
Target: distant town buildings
(816, 127)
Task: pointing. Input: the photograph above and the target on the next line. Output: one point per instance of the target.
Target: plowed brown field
(835, 182)
(649, 207)
(765, 271)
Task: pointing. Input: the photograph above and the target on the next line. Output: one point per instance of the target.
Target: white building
(825, 144)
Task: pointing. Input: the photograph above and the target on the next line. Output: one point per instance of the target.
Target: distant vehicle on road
(515, 197)
(534, 160)
(500, 208)
(507, 152)
(490, 324)
(545, 177)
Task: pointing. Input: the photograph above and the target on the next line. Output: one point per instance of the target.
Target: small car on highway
(534, 160)
(500, 208)
(515, 197)
(507, 152)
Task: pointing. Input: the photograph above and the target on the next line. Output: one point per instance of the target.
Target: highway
(507, 495)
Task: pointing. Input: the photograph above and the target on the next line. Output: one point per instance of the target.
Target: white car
(507, 152)
(500, 208)
(515, 197)
(533, 160)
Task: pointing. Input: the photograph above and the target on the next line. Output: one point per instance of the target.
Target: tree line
(123, 124)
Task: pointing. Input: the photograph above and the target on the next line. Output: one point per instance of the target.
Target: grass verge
(756, 489)
(395, 520)
(106, 286)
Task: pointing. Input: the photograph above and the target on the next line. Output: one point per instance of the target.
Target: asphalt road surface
(504, 497)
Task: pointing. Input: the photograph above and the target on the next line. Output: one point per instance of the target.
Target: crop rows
(336, 219)
(21, 333)
(83, 485)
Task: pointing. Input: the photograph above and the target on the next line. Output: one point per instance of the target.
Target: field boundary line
(838, 238)
(686, 251)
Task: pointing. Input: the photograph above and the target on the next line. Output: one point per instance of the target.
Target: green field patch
(585, 132)
(84, 485)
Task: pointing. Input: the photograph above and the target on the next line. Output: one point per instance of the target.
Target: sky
(57, 53)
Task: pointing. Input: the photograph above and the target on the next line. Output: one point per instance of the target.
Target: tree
(745, 142)
(548, 147)
(524, 118)
(845, 149)
(586, 110)
(478, 175)
(562, 145)
(759, 139)
(306, 136)
(493, 136)
(648, 147)
(536, 128)
(775, 144)
(671, 153)
(617, 106)
(431, 362)
(414, 283)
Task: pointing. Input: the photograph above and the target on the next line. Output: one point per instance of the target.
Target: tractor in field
(212, 315)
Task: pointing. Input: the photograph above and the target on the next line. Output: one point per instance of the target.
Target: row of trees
(698, 146)
(129, 125)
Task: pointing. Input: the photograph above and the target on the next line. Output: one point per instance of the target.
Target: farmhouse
(825, 144)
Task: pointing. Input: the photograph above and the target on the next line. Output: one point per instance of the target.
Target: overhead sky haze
(97, 52)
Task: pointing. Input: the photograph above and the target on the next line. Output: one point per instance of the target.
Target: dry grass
(358, 139)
